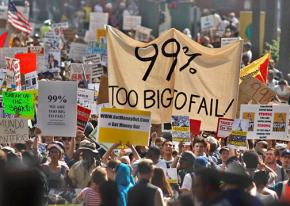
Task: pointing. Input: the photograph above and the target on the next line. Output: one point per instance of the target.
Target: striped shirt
(91, 197)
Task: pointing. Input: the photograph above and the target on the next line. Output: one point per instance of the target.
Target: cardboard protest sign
(31, 81)
(57, 108)
(195, 126)
(77, 51)
(238, 137)
(18, 103)
(83, 115)
(98, 20)
(58, 28)
(207, 22)
(86, 97)
(226, 41)
(69, 34)
(125, 126)
(77, 71)
(39, 51)
(27, 62)
(224, 127)
(14, 130)
(131, 22)
(103, 96)
(171, 80)
(266, 121)
(180, 128)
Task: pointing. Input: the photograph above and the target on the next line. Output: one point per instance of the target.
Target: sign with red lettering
(224, 127)
(266, 121)
(83, 115)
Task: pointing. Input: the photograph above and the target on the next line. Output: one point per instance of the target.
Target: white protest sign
(2, 76)
(3, 12)
(31, 81)
(77, 71)
(86, 97)
(238, 137)
(206, 22)
(52, 52)
(131, 22)
(77, 51)
(226, 41)
(98, 20)
(94, 63)
(10, 52)
(40, 59)
(224, 127)
(90, 35)
(142, 33)
(12, 64)
(266, 121)
(57, 108)
(13, 130)
(58, 28)
(171, 175)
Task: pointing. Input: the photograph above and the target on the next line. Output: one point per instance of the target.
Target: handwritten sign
(20, 103)
(14, 130)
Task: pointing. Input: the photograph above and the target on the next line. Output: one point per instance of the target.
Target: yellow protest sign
(124, 125)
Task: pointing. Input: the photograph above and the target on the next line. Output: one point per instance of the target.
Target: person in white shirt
(283, 90)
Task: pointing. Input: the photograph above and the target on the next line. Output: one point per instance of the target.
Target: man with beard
(80, 171)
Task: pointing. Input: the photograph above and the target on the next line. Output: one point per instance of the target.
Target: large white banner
(266, 121)
(57, 108)
(174, 75)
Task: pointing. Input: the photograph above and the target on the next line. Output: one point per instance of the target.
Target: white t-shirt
(187, 182)
(161, 164)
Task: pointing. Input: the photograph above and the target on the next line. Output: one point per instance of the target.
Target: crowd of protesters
(59, 170)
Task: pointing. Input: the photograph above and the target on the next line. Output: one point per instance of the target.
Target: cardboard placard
(125, 126)
(57, 108)
(13, 130)
(103, 96)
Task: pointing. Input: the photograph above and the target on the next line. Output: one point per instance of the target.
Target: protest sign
(94, 63)
(31, 81)
(77, 51)
(98, 20)
(207, 22)
(39, 51)
(69, 34)
(173, 78)
(27, 62)
(171, 175)
(13, 130)
(57, 108)
(3, 12)
(18, 103)
(195, 126)
(131, 22)
(58, 28)
(238, 137)
(101, 35)
(125, 126)
(143, 33)
(224, 127)
(266, 121)
(52, 52)
(10, 52)
(86, 97)
(90, 36)
(2, 76)
(12, 64)
(83, 115)
(226, 41)
(180, 128)
(103, 96)
(77, 71)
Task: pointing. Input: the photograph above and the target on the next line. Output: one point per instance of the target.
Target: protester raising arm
(107, 155)
(136, 156)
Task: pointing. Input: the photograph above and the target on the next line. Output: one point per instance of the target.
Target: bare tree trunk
(256, 9)
(284, 53)
(271, 21)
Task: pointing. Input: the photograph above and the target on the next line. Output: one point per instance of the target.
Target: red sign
(27, 62)
(195, 126)
(83, 115)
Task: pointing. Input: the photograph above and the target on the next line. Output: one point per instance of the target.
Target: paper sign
(18, 103)
(101, 35)
(98, 20)
(143, 33)
(195, 126)
(27, 62)
(83, 115)
(59, 28)
(206, 22)
(266, 121)
(3, 12)
(238, 137)
(10, 52)
(226, 41)
(86, 97)
(39, 51)
(13, 130)
(131, 22)
(77, 51)
(13, 65)
(125, 126)
(224, 127)
(57, 108)
(94, 63)
(52, 53)
(31, 81)
(77, 72)
(180, 128)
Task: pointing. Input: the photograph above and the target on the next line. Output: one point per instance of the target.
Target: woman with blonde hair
(160, 181)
